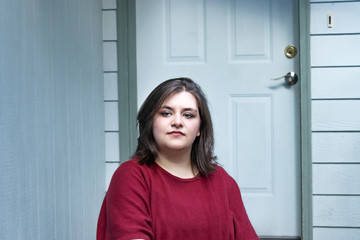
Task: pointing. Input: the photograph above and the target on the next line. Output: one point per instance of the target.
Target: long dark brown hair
(202, 151)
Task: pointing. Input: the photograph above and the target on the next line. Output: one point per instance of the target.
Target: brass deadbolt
(290, 51)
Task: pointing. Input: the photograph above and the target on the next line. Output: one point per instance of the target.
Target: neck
(178, 165)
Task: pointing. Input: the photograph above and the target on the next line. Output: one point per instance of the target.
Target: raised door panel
(252, 125)
(244, 21)
(185, 44)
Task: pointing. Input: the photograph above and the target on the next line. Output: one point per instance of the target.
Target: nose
(177, 122)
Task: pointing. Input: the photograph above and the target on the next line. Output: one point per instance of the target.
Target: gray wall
(52, 167)
(335, 88)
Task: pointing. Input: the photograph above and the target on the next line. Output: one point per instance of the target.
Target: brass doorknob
(290, 51)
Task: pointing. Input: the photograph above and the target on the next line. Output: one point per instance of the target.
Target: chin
(177, 148)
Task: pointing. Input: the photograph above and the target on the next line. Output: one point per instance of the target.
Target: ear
(198, 133)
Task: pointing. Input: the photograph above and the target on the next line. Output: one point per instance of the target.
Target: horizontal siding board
(110, 56)
(321, 1)
(109, 25)
(335, 50)
(344, 15)
(335, 82)
(110, 169)
(110, 87)
(336, 179)
(112, 151)
(336, 211)
(336, 147)
(336, 115)
(336, 234)
(108, 4)
(111, 116)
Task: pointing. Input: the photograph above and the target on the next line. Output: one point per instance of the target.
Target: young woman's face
(177, 123)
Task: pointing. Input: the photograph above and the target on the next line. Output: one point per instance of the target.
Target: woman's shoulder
(221, 174)
(131, 169)
(132, 164)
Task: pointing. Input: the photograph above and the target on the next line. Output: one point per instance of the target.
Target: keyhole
(290, 51)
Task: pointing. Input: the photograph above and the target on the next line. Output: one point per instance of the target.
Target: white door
(233, 48)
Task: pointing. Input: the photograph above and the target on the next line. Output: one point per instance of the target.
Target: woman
(173, 188)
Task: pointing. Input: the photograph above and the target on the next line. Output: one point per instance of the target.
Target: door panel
(185, 44)
(233, 48)
(245, 21)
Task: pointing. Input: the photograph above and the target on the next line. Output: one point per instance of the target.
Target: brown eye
(188, 115)
(165, 114)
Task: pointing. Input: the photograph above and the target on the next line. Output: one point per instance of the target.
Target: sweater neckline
(197, 177)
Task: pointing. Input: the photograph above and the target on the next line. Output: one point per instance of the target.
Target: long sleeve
(125, 213)
(243, 230)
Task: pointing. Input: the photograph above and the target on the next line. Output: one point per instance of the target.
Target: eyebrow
(184, 109)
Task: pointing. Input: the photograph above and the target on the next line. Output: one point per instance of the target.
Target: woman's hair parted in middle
(202, 152)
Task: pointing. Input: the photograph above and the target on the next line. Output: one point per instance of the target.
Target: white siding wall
(335, 90)
(111, 99)
(51, 119)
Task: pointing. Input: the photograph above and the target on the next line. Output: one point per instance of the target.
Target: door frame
(127, 90)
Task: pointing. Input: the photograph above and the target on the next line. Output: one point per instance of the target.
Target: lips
(176, 133)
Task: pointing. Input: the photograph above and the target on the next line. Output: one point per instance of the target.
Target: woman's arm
(126, 209)
(242, 225)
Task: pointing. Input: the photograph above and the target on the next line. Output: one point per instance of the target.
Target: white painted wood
(336, 147)
(245, 110)
(343, 15)
(111, 116)
(255, 48)
(111, 86)
(185, 44)
(110, 89)
(110, 56)
(110, 169)
(336, 233)
(109, 4)
(340, 148)
(335, 82)
(320, 1)
(112, 146)
(243, 50)
(335, 50)
(336, 211)
(336, 115)
(336, 179)
(109, 25)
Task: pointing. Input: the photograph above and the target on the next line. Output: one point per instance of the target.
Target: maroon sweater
(149, 203)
